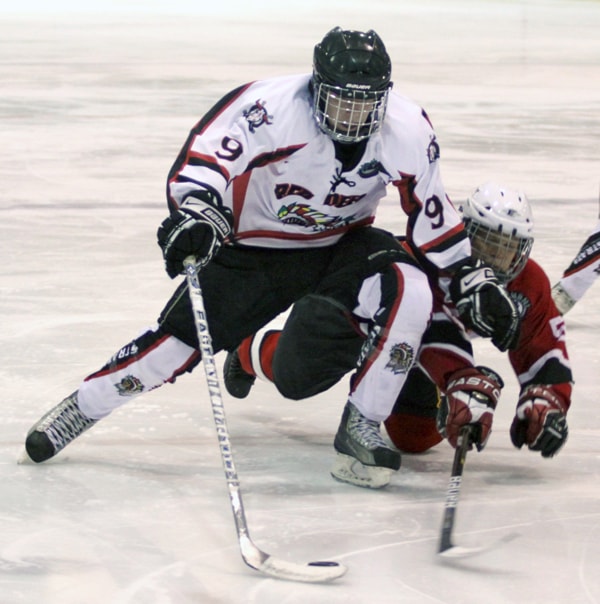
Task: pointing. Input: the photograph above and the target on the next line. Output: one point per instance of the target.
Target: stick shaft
(453, 492)
(254, 557)
(216, 399)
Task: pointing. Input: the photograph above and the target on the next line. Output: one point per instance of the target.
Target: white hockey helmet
(499, 223)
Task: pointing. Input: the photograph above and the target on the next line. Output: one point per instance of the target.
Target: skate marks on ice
(69, 560)
(141, 529)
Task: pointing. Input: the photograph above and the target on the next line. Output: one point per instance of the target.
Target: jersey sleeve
(541, 356)
(446, 346)
(215, 150)
(584, 269)
(435, 229)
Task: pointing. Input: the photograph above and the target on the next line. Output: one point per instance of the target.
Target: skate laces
(364, 431)
(65, 423)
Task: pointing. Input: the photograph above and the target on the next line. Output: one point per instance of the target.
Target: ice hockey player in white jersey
(445, 389)
(579, 276)
(274, 193)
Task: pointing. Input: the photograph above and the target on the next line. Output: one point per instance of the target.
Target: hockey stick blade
(311, 572)
(459, 551)
(447, 549)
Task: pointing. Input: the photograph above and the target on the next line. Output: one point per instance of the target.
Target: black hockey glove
(540, 421)
(485, 306)
(197, 228)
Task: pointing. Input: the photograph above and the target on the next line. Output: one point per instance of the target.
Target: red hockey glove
(471, 397)
(485, 306)
(540, 421)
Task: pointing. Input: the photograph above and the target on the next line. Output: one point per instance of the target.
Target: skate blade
(24, 458)
(348, 469)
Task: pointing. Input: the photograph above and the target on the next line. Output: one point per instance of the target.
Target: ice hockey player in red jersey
(500, 225)
(444, 389)
(579, 276)
(274, 193)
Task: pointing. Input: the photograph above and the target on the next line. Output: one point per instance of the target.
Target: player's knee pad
(411, 433)
(412, 423)
(318, 345)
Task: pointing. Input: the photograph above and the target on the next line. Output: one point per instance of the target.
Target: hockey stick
(460, 457)
(446, 547)
(311, 572)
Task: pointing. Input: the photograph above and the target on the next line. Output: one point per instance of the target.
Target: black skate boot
(237, 382)
(56, 429)
(363, 457)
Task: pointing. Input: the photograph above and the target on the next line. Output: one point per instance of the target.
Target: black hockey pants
(244, 288)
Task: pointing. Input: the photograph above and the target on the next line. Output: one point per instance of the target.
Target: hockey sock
(256, 354)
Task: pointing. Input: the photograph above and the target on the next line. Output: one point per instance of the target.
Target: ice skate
(363, 457)
(56, 429)
(237, 382)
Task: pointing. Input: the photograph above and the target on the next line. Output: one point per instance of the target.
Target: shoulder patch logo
(433, 151)
(521, 301)
(257, 115)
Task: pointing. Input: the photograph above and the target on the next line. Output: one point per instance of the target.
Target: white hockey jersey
(261, 150)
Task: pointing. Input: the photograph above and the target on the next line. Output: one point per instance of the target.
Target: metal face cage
(506, 252)
(349, 115)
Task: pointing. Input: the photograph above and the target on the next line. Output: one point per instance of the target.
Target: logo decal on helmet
(357, 86)
(129, 386)
(257, 115)
(401, 358)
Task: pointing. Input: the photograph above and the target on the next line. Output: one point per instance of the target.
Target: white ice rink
(93, 110)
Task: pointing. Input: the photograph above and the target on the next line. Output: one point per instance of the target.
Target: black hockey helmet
(351, 81)
(347, 58)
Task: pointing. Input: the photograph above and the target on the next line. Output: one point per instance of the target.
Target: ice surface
(93, 109)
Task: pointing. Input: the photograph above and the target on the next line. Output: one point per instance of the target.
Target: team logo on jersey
(433, 151)
(401, 358)
(257, 115)
(129, 386)
(522, 302)
(284, 189)
(372, 168)
(336, 200)
(304, 215)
